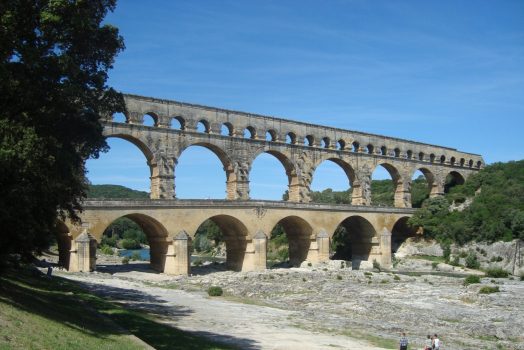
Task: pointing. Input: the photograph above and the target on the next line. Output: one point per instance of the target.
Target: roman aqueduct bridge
(237, 138)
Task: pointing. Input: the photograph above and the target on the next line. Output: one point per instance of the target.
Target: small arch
(397, 152)
(178, 123)
(227, 129)
(150, 119)
(384, 150)
(400, 233)
(341, 145)
(422, 182)
(309, 140)
(327, 177)
(409, 154)
(432, 158)
(442, 159)
(453, 179)
(271, 135)
(462, 161)
(298, 232)
(325, 143)
(470, 163)
(234, 234)
(120, 118)
(452, 161)
(250, 133)
(421, 156)
(291, 138)
(388, 187)
(356, 146)
(370, 148)
(64, 242)
(203, 126)
(479, 164)
(353, 241)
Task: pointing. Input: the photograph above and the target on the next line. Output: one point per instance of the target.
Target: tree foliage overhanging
(54, 59)
(496, 211)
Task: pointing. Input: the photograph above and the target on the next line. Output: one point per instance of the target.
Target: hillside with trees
(492, 207)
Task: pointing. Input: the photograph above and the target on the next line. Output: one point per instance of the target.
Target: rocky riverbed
(314, 307)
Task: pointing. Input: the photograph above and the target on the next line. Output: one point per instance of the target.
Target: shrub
(489, 289)
(471, 279)
(496, 272)
(455, 261)
(368, 274)
(434, 265)
(376, 265)
(471, 261)
(463, 254)
(125, 260)
(107, 250)
(396, 278)
(197, 262)
(339, 277)
(215, 291)
(446, 252)
(304, 279)
(496, 259)
(384, 281)
(136, 256)
(129, 244)
(309, 264)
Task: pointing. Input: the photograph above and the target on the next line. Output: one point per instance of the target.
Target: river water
(144, 255)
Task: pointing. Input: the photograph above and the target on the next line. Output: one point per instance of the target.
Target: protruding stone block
(83, 254)
(385, 248)
(323, 246)
(178, 255)
(260, 253)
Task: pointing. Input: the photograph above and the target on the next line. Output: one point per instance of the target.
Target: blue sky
(443, 72)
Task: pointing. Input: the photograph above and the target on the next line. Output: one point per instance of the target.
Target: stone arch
(442, 159)
(299, 233)
(396, 152)
(430, 179)
(398, 190)
(149, 154)
(180, 120)
(291, 138)
(286, 162)
(235, 237)
(353, 240)
(156, 235)
(370, 148)
(452, 179)
(421, 156)
(153, 115)
(250, 132)
(309, 140)
(356, 146)
(230, 130)
(354, 185)
(400, 233)
(409, 154)
(271, 135)
(384, 150)
(452, 161)
(117, 117)
(326, 142)
(462, 162)
(206, 125)
(232, 171)
(341, 145)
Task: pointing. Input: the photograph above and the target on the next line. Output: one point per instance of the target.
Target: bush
(136, 256)
(125, 260)
(455, 261)
(489, 289)
(396, 278)
(129, 244)
(434, 265)
(376, 265)
(522, 277)
(496, 259)
(471, 279)
(496, 272)
(107, 250)
(215, 291)
(446, 252)
(339, 277)
(471, 261)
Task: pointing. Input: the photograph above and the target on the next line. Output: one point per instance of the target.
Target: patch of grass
(55, 313)
(215, 291)
(437, 259)
(384, 281)
(489, 290)
(471, 279)
(434, 265)
(496, 272)
(377, 341)
(496, 259)
(396, 278)
(368, 274)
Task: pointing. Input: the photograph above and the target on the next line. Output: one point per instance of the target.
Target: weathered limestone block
(319, 248)
(83, 254)
(256, 253)
(385, 248)
(178, 255)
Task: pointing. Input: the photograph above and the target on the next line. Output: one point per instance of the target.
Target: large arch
(453, 178)
(64, 240)
(235, 237)
(227, 165)
(387, 197)
(400, 232)
(156, 235)
(422, 188)
(353, 240)
(298, 232)
(287, 164)
(144, 149)
(350, 175)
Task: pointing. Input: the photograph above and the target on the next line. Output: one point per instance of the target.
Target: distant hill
(115, 191)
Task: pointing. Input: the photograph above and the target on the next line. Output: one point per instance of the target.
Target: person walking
(428, 343)
(403, 342)
(436, 342)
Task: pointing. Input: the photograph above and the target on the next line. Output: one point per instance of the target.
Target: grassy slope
(38, 312)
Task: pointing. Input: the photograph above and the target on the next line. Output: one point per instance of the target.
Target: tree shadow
(72, 305)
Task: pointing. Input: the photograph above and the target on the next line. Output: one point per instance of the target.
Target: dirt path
(244, 325)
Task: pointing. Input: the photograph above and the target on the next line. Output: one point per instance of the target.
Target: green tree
(54, 59)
